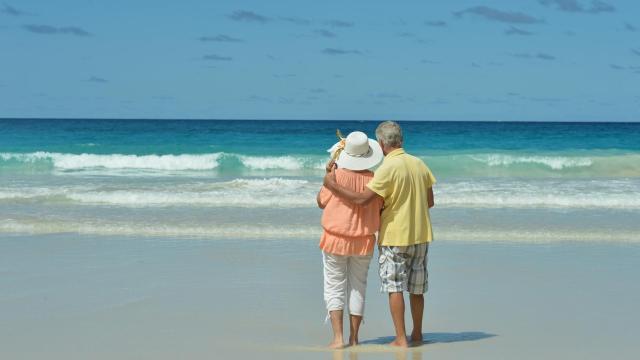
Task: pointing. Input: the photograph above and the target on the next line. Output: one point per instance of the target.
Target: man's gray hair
(390, 133)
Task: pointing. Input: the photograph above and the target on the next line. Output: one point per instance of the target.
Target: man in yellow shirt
(405, 183)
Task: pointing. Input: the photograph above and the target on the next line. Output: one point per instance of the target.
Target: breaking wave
(277, 192)
(476, 164)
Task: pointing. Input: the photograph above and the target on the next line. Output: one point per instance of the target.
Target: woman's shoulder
(354, 173)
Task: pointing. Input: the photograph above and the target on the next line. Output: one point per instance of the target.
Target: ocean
(497, 181)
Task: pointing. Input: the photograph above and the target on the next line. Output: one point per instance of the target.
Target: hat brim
(346, 161)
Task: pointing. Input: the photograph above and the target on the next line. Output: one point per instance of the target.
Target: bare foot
(402, 343)
(353, 341)
(416, 339)
(336, 344)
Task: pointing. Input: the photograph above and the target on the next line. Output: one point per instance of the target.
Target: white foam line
(553, 162)
(120, 161)
(242, 231)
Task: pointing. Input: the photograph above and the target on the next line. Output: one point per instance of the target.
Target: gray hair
(390, 133)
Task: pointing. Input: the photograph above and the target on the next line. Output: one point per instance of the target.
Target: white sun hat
(359, 152)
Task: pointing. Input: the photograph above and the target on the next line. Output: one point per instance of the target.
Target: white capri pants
(345, 277)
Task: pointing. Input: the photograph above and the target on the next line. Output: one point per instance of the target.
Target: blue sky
(533, 60)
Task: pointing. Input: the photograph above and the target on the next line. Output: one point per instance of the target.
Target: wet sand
(76, 297)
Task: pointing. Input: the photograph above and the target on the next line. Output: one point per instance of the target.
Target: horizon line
(273, 119)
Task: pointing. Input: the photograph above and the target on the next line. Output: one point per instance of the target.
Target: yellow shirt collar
(395, 152)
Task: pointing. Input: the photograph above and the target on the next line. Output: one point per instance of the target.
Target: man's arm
(430, 200)
(351, 196)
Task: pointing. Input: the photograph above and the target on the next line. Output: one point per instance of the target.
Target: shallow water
(218, 179)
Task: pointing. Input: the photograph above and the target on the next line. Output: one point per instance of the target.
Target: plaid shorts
(404, 268)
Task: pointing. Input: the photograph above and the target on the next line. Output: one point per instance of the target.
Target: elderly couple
(394, 201)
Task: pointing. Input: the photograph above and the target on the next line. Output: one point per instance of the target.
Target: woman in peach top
(348, 238)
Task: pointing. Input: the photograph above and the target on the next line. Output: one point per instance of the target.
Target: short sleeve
(325, 196)
(381, 182)
(430, 179)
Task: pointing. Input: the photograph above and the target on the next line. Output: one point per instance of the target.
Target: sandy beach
(75, 297)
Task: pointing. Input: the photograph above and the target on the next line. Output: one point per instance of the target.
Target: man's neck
(388, 149)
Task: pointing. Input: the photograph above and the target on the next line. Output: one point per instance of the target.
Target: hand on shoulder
(330, 176)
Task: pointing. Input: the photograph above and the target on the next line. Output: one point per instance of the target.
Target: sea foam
(553, 162)
(119, 161)
(277, 192)
(271, 162)
(597, 165)
(295, 232)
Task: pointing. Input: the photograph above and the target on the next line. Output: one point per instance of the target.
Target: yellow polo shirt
(403, 181)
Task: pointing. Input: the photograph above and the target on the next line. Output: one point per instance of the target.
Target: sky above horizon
(533, 60)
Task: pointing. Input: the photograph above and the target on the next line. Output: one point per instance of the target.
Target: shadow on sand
(380, 345)
(436, 338)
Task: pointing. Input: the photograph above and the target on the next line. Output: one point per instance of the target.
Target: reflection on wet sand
(381, 345)
(399, 354)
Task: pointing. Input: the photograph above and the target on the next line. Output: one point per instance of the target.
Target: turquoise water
(259, 178)
(228, 147)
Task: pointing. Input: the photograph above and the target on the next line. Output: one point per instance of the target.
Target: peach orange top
(349, 229)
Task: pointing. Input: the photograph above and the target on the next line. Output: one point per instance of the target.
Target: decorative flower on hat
(341, 145)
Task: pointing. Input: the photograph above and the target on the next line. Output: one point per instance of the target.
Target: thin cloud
(575, 6)
(10, 10)
(492, 14)
(629, 27)
(214, 57)
(636, 51)
(540, 56)
(99, 80)
(487, 101)
(339, 23)
(563, 5)
(516, 31)
(325, 33)
(381, 97)
(53, 30)
(618, 67)
(258, 98)
(437, 23)
(387, 95)
(545, 56)
(318, 91)
(248, 16)
(406, 35)
(438, 102)
(284, 76)
(600, 6)
(220, 38)
(285, 100)
(549, 100)
(295, 20)
(333, 51)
